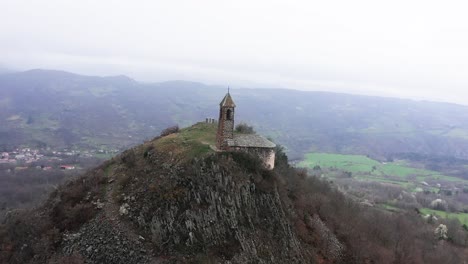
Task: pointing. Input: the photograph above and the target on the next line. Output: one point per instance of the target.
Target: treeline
(29, 187)
(35, 235)
(446, 164)
(25, 188)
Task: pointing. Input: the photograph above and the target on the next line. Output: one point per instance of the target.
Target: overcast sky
(411, 49)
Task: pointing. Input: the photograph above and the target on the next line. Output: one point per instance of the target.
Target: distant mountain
(4, 70)
(60, 109)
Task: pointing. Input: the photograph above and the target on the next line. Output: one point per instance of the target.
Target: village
(47, 159)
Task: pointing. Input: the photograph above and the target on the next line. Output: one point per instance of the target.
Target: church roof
(227, 101)
(250, 140)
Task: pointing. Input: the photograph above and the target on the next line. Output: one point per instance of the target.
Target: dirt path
(111, 213)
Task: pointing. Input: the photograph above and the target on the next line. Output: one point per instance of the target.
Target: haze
(409, 49)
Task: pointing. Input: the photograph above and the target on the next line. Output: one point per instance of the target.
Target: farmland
(462, 217)
(393, 186)
(399, 172)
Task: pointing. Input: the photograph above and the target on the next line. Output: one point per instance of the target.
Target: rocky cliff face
(214, 210)
(218, 208)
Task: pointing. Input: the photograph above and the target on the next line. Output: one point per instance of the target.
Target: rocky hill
(174, 200)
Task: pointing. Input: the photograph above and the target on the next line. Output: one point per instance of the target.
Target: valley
(233, 132)
(417, 147)
(386, 183)
(44, 108)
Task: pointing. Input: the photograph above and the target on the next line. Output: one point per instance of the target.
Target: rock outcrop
(175, 200)
(215, 210)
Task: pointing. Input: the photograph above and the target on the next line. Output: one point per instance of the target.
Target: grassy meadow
(366, 169)
(400, 173)
(190, 142)
(462, 217)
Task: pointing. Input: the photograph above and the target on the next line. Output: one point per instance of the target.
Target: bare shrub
(74, 207)
(170, 130)
(243, 128)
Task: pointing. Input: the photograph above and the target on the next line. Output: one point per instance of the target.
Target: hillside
(64, 110)
(174, 200)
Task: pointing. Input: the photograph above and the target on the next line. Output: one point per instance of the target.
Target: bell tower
(226, 122)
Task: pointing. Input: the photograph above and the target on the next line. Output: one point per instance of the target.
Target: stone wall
(225, 127)
(267, 155)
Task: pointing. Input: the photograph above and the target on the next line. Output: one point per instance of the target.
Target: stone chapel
(227, 140)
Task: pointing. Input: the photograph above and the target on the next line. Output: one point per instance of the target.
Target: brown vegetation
(331, 227)
(33, 236)
(30, 187)
(170, 130)
(243, 128)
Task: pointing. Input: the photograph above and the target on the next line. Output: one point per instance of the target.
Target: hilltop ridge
(174, 199)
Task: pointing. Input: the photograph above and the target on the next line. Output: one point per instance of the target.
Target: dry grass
(189, 143)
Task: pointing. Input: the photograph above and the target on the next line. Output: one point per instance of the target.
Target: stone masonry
(251, 143)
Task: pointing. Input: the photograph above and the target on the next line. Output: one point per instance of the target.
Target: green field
(389, 207)
(366, 169)
(462, 217)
